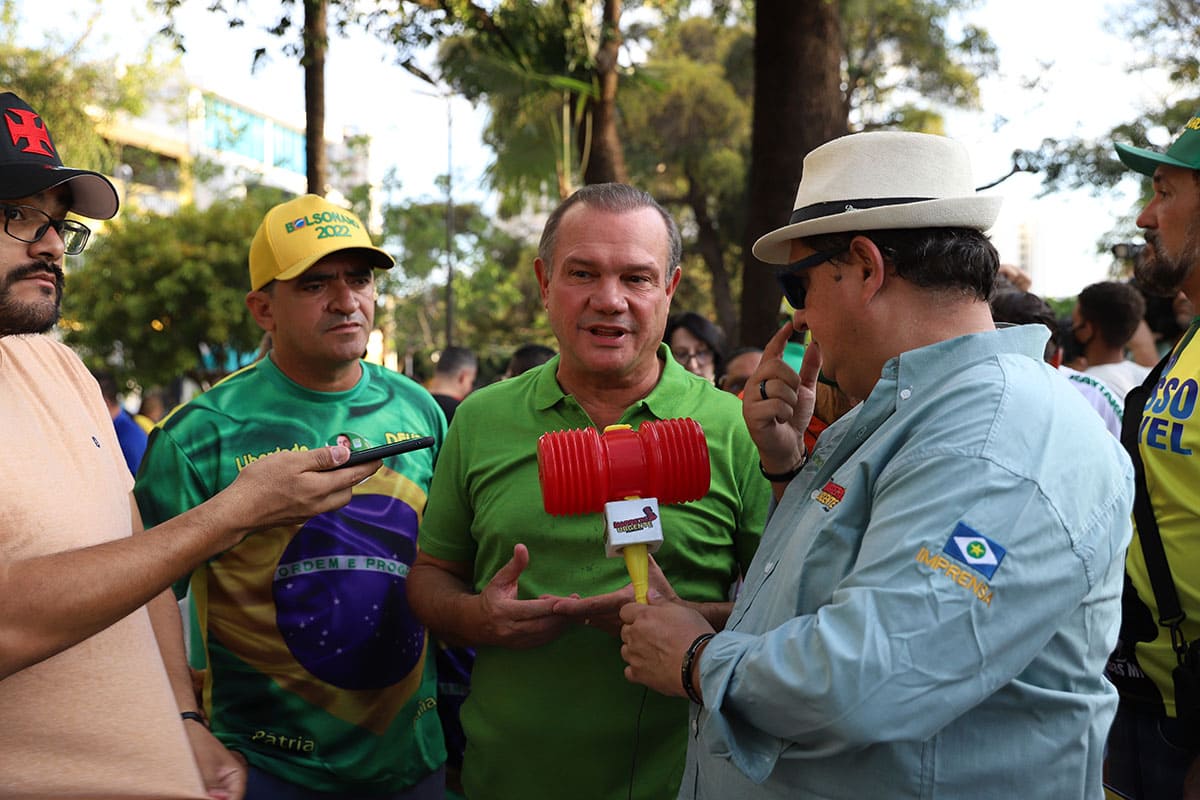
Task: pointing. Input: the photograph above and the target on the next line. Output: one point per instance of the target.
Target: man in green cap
(1156, 735)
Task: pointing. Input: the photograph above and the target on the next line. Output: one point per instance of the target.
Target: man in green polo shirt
(550, 713)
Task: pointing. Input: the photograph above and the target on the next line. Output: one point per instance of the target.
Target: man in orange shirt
(95, 694)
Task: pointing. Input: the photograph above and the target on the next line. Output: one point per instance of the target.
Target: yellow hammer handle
(637, 561)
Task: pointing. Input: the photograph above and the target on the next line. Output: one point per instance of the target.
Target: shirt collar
(661, 402)
(936, 362)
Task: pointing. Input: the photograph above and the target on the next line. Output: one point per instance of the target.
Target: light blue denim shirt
(930, 609)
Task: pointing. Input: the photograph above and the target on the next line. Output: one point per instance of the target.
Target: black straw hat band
(818, 210)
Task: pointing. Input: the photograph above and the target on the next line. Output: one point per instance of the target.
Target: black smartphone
(385, 450)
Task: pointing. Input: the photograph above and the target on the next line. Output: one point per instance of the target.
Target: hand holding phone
(385, 450)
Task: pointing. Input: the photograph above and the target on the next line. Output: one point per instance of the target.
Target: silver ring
(762, 390)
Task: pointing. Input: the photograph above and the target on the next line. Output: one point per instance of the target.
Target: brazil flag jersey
(1169, 443)
(318, 672)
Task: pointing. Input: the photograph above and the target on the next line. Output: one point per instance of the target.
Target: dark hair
(528, 356)
(704, 330)
(1026, 308)
(741, 351)
(1160, 314)
(615, 198)
(1114, 308)
(454, 360)
(722, 378)
(108, 385)
(957, 259)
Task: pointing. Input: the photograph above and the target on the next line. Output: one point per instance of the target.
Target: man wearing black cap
(95, 696)
(1156, 667)
(930, 609)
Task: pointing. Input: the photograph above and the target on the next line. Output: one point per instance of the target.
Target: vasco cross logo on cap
(28, 126)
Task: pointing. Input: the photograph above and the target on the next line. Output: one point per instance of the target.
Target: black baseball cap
(29, 163)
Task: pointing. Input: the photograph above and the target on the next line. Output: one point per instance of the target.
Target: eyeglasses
(28, 224)
(789, 276)
(701, 357)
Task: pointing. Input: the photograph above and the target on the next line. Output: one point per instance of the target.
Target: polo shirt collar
(661, 402)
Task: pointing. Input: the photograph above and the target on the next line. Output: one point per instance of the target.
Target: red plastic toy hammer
(626, 474)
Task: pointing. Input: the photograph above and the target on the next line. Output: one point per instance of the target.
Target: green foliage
(685, 108)
(902, 61)
(1062, 306)
(534, 64)
(686, 129)
(1162, 35)
(495, 290)
(286, 21)
(58, 78)
(154, 292)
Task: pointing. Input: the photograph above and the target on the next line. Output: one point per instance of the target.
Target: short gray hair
(615, 198)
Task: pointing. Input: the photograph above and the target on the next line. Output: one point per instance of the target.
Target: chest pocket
(814, 549)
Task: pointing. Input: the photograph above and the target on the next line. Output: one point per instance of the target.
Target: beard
(1162, 273)
(21, 317)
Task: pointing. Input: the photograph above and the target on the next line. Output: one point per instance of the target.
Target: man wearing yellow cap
(317, 672)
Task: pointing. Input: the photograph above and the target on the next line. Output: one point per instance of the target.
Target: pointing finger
(810, 367)
(775, 347)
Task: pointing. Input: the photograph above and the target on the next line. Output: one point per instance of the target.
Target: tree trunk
(709, 243)
(797, 106)
(601, 150)
(316, 43)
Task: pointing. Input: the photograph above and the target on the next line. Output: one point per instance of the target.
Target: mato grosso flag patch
(974, 549)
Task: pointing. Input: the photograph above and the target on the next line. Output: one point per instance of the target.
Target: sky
(1086, 91)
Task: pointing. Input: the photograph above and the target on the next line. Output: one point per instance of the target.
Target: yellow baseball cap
(297, 234)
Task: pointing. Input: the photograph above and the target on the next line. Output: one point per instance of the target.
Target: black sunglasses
(789, 276)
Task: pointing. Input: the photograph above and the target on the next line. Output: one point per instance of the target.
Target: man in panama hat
(930, 608)
(95, 695)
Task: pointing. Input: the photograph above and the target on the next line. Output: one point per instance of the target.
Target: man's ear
(864, 256)
(259, 303)
(673, 281)
(542, 270)
(1084, 333)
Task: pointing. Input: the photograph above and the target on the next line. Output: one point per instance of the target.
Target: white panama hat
(882, 180)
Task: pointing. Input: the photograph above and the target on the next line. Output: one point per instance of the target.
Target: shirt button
(769, 567)
(695, 725)
(905, 394)
(815, 494)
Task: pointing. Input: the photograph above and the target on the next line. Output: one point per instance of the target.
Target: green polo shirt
(561, 720)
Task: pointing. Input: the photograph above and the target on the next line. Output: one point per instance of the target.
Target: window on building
(288, 149)
(234, 130)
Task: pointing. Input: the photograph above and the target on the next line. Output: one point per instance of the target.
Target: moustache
(29, 270)
(342, 319)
